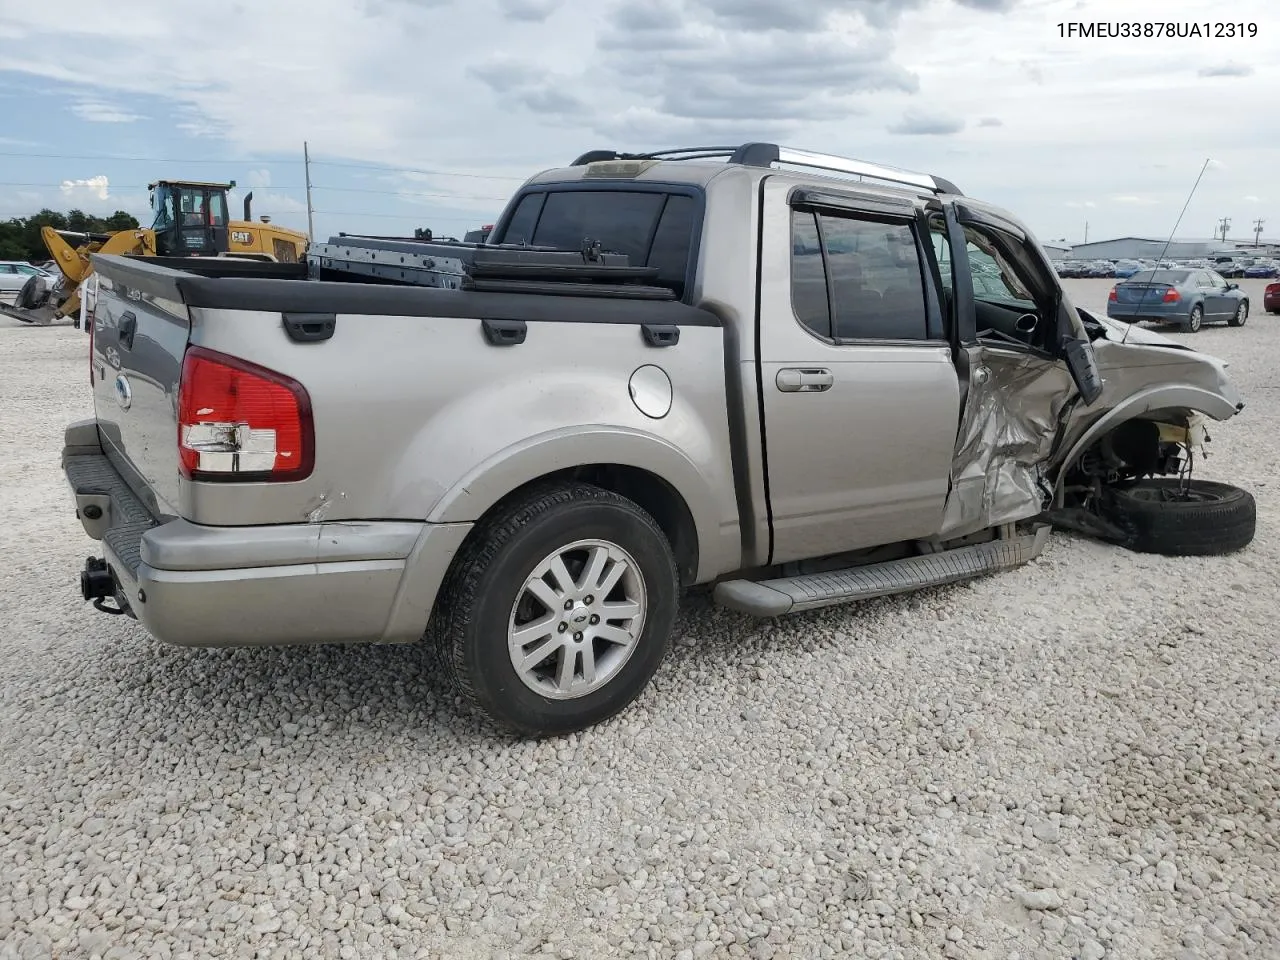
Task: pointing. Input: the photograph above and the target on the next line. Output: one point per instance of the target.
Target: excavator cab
(190, 218)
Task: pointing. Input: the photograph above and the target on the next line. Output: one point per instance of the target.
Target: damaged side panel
(1007, 431)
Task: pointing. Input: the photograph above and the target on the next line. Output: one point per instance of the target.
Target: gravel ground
(1077, 758)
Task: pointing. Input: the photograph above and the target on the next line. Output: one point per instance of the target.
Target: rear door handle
(804, 379)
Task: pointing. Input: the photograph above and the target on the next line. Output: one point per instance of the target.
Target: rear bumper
(1148, 311)
(203, 586)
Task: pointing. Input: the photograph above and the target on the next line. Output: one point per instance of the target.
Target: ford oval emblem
(124, 393)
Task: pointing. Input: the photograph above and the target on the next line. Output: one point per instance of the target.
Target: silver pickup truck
(804, 380)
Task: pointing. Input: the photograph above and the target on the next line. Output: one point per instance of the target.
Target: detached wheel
(1194, 320)
(1206, 519)
(559, 611)
(1241, 315)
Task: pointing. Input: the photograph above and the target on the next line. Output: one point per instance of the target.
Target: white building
(1145, 248)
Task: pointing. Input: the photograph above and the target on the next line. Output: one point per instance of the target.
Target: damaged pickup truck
(792, 379)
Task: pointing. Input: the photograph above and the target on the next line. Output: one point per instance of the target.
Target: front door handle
(804, 379)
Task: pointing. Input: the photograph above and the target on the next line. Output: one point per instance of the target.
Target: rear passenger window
(868, 270)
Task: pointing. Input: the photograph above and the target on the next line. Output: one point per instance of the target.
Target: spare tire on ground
(1193, 518)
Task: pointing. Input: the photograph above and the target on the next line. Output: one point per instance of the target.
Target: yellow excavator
(189, 219)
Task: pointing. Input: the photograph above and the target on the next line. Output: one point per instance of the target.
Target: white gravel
(1074, 759)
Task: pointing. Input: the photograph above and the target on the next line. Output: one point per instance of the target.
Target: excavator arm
(74, 262)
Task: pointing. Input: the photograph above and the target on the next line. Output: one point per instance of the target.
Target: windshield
(1161, 276)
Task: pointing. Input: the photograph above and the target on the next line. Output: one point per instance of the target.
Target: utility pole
(1257, 230)
(1222, 225)
(1086, 231)
(306, 163)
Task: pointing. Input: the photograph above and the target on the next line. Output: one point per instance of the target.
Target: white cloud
(1252, 199)
(258, 178)
(94, 187)
(545, 81)
(274, 203)
(95, 111)
(1140, 201)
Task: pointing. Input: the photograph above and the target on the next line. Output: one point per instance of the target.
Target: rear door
(140, 332)
(859, 391)
(10, 280)
(1219, 304)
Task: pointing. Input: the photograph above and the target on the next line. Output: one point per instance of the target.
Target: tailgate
(140, 331)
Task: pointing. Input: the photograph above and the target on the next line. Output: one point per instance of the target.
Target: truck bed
(408, 387)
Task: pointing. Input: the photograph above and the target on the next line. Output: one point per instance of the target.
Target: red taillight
(1113, 297)
(1171, 296)
(242, 422)
(1273, 290)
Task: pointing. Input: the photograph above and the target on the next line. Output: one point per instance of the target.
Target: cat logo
(241, 236)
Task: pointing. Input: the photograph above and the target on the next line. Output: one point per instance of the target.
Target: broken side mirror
(1083, 365)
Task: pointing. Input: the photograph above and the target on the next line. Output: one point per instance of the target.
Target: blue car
(1127, 268)
(1188, 298)
(1263, 270)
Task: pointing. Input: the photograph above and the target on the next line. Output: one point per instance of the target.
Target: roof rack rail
(767, 154)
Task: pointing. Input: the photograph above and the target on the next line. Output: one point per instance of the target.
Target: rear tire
(1241, 315)
(1194, 319)
(491, 622)
(1214, 518)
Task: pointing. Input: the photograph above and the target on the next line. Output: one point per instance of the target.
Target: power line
(281, 188)
(429, 173)
(393, 216)
(259, 163)
(408, 193)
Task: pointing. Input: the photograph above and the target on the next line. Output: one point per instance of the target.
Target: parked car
(1186, 297)
(1262, 270)
(14, 275)
(1127, 268)
(1232, 269)
(1271, 298)
(794, 390)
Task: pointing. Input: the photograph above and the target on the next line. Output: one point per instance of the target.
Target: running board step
(773, 598)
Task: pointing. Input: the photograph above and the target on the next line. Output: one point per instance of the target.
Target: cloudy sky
(430, 112)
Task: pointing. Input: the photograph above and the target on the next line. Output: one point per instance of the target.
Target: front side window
(164, 209)
(869, 271)
(994, 278)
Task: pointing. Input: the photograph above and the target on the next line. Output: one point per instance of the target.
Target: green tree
(20, 236)
(121, 220)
